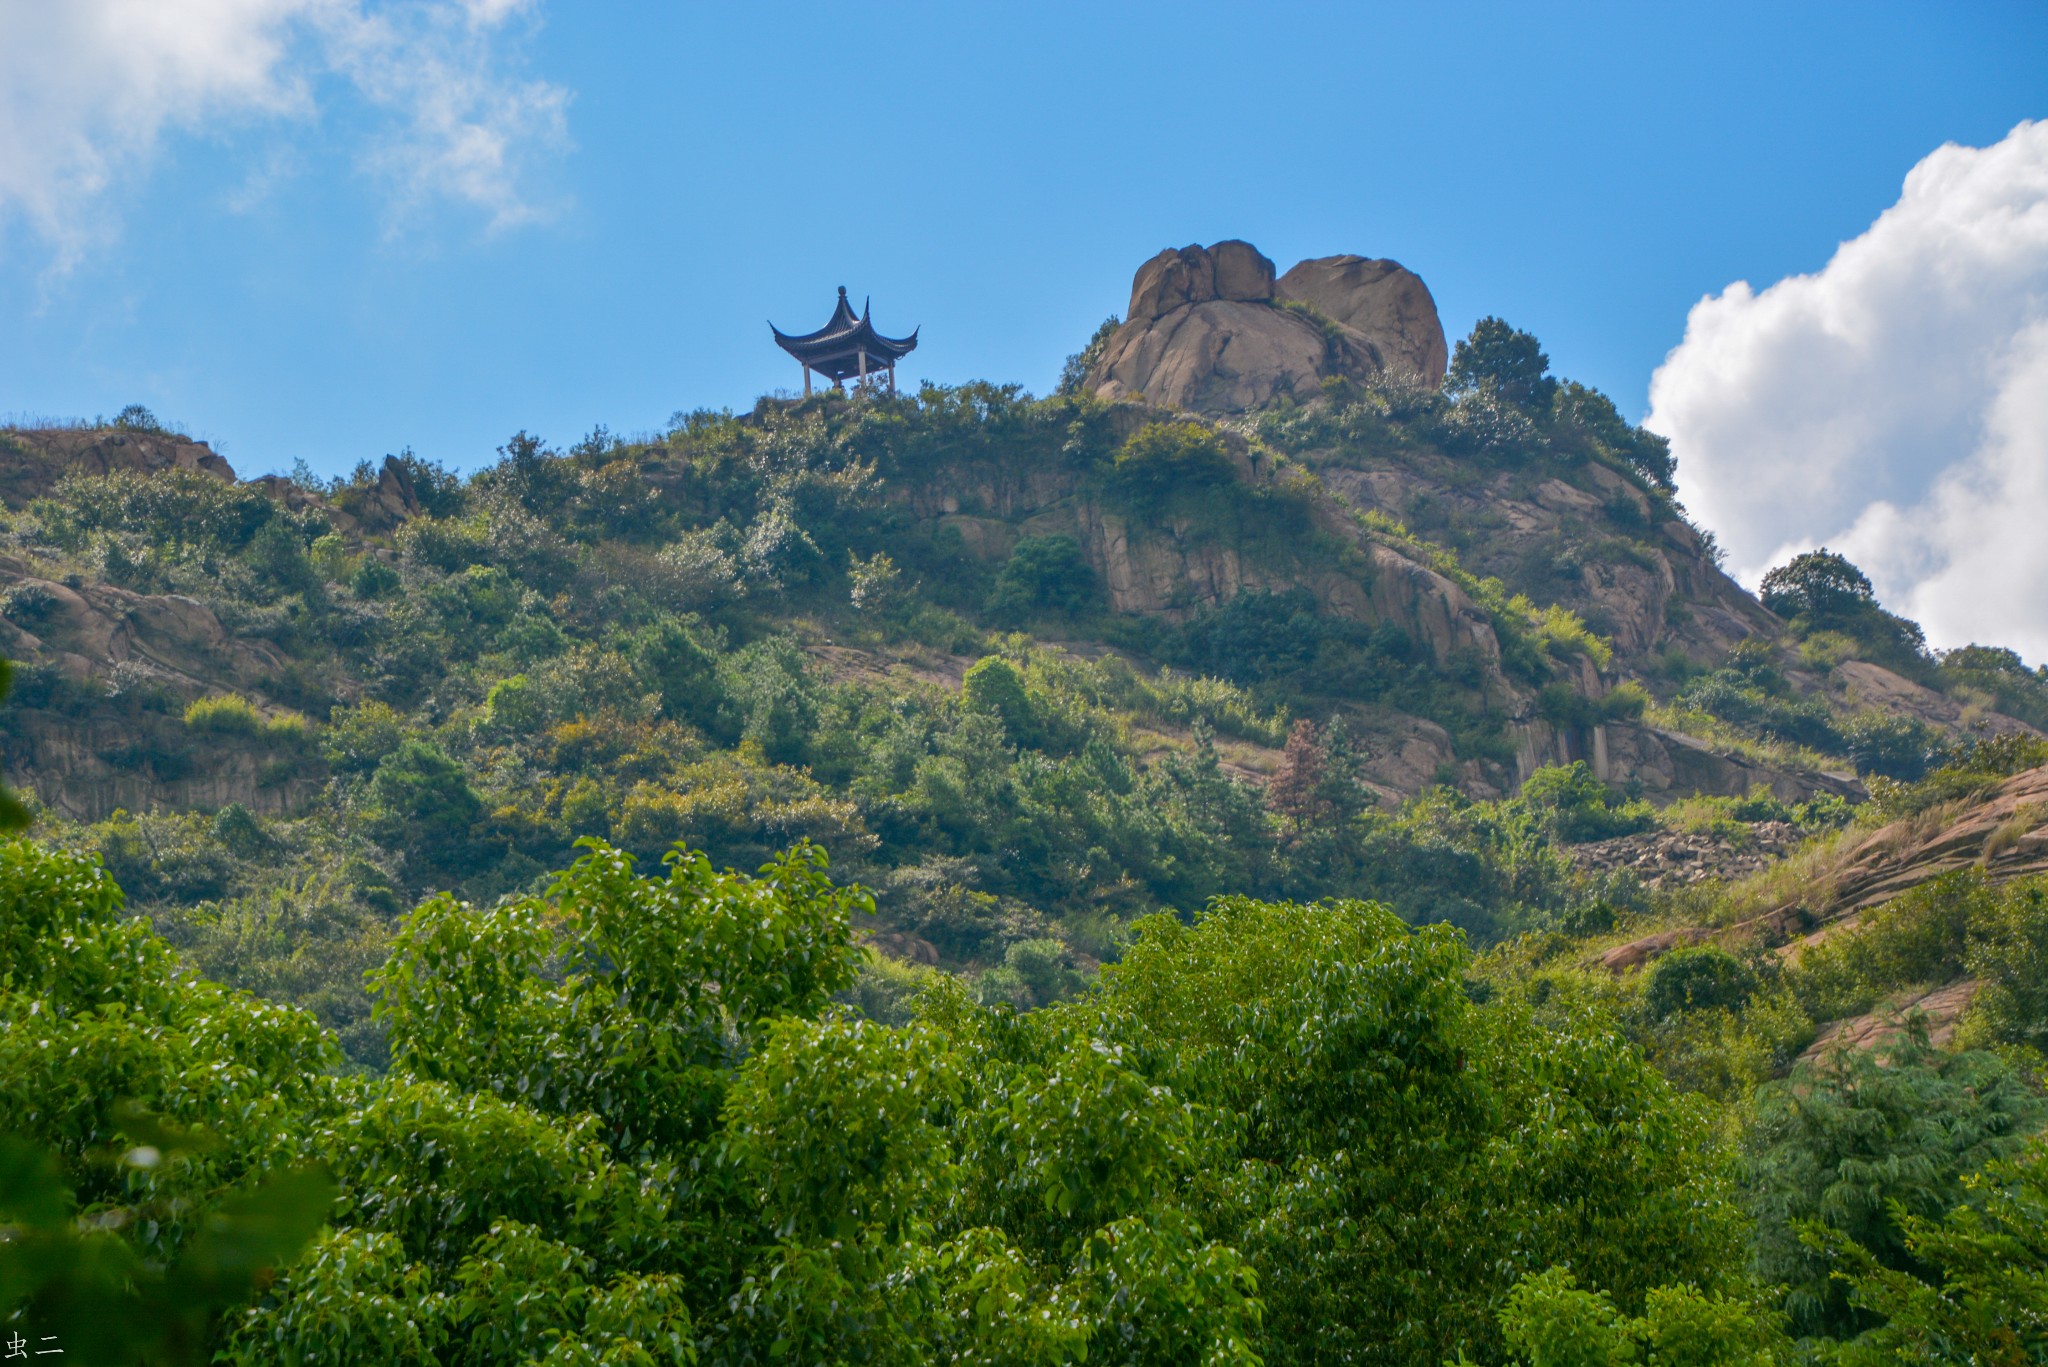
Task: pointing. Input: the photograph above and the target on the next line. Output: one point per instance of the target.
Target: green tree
(1821, 591)
(1849, 1146)
(1820, 584)
(1549, 1321)
(1594, 416)
(768, 685)
(1044, 575)
(683, 671)
(419, 801)
(146, 1182)
(1395, 1146)
(993, 686)
(1509, 362)
(1162, 458)
(616, 995)
(1977, 1287)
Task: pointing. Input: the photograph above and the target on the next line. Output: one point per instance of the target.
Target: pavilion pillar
(863, 369)
(892, 379)
(807, 382)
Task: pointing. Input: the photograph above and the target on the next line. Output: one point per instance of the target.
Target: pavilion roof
(835, 348)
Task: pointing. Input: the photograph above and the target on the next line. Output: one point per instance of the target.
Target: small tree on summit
(1817, 584)
(1508, 361)
(1822, 591)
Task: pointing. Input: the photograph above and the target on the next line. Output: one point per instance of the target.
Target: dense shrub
(1894, 747)
(420, 801)
(1574, 806)
(1697, 978)
(224, 715)
(1162, 458)
(1044, 575)
(2008, 955)
(1919, 938)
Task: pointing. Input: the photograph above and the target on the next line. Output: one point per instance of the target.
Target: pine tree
(1296, 792)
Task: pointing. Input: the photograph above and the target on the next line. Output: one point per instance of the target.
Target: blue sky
(312, 250)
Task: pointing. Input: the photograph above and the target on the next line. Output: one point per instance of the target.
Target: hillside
(1557, 936)
(1029, 668)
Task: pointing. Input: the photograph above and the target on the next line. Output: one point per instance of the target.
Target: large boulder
(1195, 275)
(1383, 301)
(1217, 356)
(1210, 329)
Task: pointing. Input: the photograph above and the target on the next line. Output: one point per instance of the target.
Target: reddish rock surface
(1941, 1009)
(2005, 833)
(31, 462)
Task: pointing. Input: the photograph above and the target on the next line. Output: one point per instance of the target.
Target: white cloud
(90, 88)
(1893, 405)
(466, 128)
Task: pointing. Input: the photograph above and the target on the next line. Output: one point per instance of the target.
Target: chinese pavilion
(847, 348)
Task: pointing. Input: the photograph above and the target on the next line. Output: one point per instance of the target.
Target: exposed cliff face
(1210, 330)
(1173, 568)
(89, 767)
(88, 630)
(1600, 546)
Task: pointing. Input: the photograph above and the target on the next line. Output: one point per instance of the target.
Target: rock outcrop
(2004, 833)
(89, 630)
(1230, 271)
(1383, 302)
(1940, 1010)
(1211, 329)
(32, 462)
(1665, 591)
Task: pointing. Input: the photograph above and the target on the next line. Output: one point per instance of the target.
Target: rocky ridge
(104, 640)
(2003, 832)
(1215, 330)
(32, 462)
